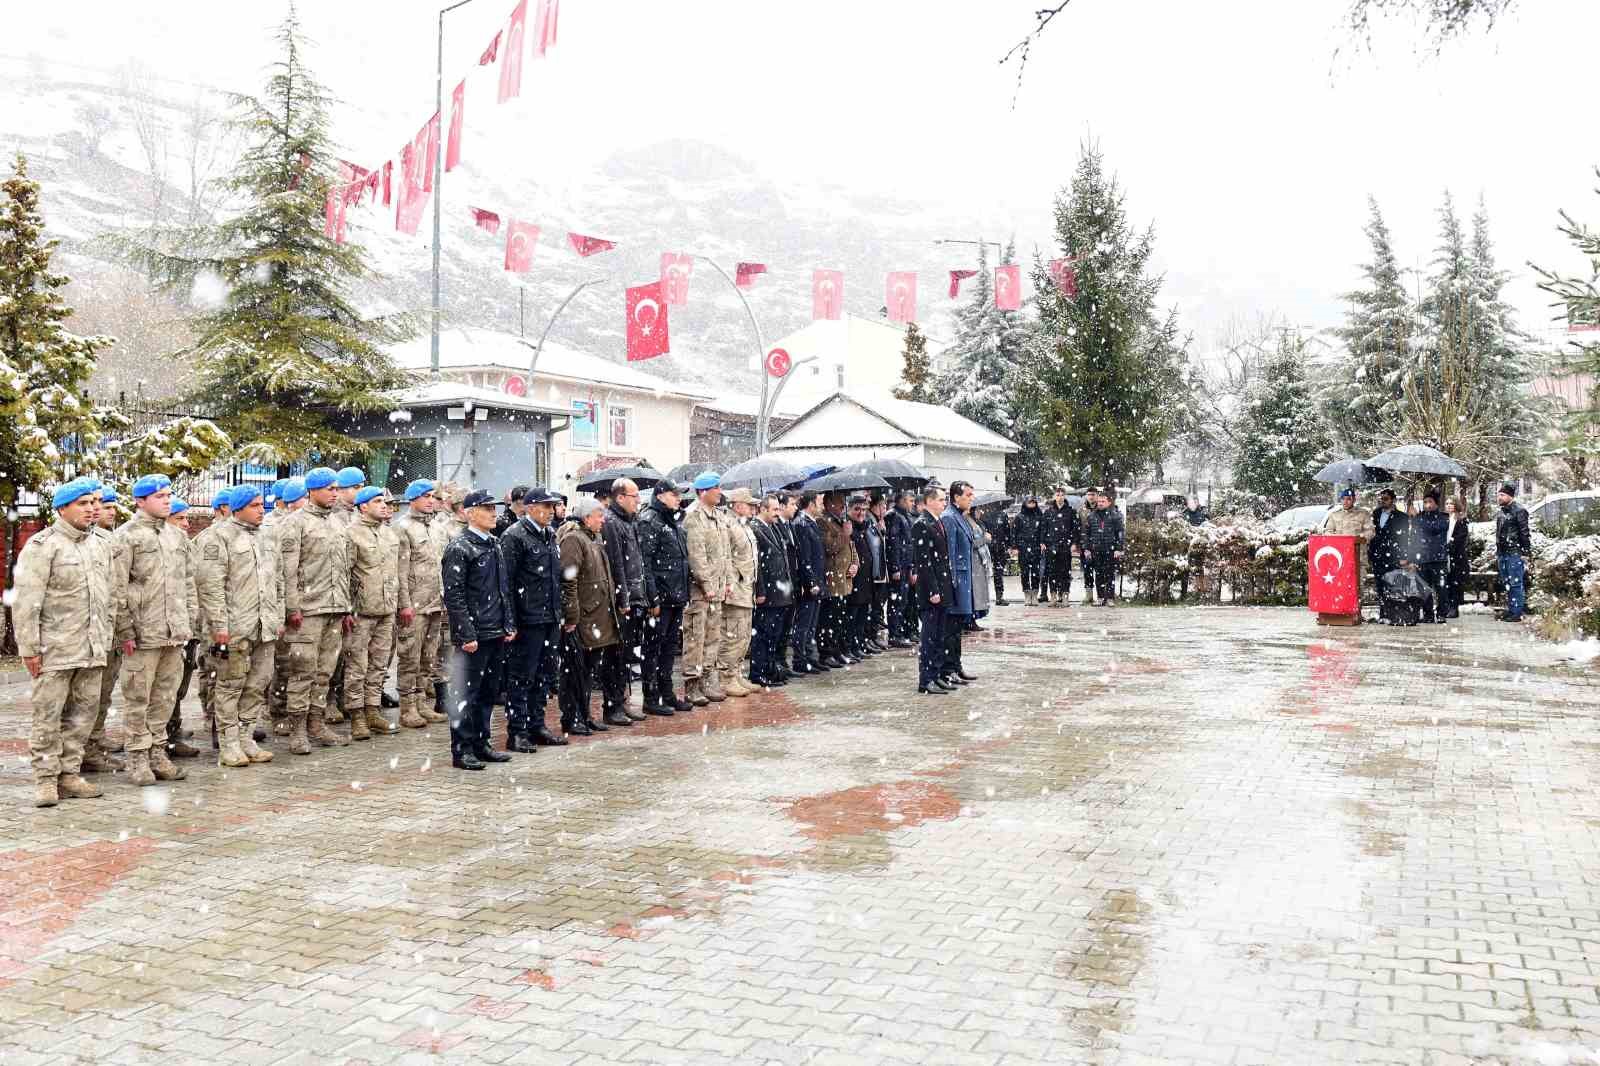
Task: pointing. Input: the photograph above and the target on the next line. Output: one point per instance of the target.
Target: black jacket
(620, 533)
(505, 521)
(1511, 531)
(1062, 528)
(1427, 537)
(1388, 547)
(811, 573)
(1028, 530)
(1458, 550)
(931, 562)
(533, 572)
(899, 525)
(664, 555)
(476, 593)
(1195, 517)
(773, 584)
(998, 526)
(1102, 532)
(861, 584)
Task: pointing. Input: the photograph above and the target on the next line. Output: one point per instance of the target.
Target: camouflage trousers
(150, 678)
(366, 661)
(108, 682)
(735, 638)
(64, 707)
(313, 654)
(418, 659)
(241, 686)
(702, 636)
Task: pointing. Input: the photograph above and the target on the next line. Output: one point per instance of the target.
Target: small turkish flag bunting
(1064, 272)
(511, 64)
(587, 246)
(485, 220)
(827, 294)
(900, 296)
(1008, 288)
(675, 270)
(452, 152)
(544, 26)
(647, 322)
(490, 52)
(745, 274)
(520, 239)
(388, 178)
(956, 278)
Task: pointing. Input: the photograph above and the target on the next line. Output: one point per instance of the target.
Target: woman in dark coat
(1457, 561)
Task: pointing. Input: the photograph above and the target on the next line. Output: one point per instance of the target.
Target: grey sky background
(1249, 131)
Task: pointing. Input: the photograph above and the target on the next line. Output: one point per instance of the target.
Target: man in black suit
(773, 594)
(810, 579)
(902, 611)
(477, 596)
(1392, 528)
(931, 576)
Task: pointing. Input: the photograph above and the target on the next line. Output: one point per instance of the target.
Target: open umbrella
(1418, 459)
(764, 473)
(810, 472)
(897, 472)
(845, 481)
(685, 473)
(600, 480)
(989, 499)
(1351, 471)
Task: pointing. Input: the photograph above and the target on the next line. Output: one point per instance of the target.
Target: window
(619, 428)
(585, 425)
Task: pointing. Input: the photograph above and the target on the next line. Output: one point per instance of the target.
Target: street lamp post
(761, 352)
(533, 361)
(438, 182)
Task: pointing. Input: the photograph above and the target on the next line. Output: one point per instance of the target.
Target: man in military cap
(316, 599)
(710, 582)
(533, 569)
(482, 623)
(153, 588)
(63, 632)
(291, 498)
(380, 595)
(193, 659)
(417, 663)
(347, 482)
(97, 752)
(738, 609)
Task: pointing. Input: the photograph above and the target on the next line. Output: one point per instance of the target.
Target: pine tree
(284, 348)
(1105, 369)
(1380, 334)
(916, 373)
(1283, 439)
(46, 421)
(1580, 294)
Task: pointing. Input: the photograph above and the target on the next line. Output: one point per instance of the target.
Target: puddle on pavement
(1106, 955)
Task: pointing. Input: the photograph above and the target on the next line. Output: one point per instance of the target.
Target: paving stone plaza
(1145, 836)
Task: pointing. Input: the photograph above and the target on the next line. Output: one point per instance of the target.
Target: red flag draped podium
(647, 322)
(1333, 574)
(1008, 288)
(900, 296)
(520, 239)
(675, 270)
(827, 294)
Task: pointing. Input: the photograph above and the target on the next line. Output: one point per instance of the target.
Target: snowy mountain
(94, 140)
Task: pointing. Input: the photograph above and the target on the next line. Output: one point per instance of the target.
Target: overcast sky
(1238, 126)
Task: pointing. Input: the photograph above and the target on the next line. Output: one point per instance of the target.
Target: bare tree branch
(1042, 18)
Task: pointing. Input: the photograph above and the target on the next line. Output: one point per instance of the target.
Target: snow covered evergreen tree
(1105, 369)
(1283, 438)
(46, 420)
(1580, 293)
(916, 373)
(1380, 334)
(284, 347)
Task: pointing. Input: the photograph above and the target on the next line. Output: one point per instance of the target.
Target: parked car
(1552, 509)
(1154, 504)
(1298, 518)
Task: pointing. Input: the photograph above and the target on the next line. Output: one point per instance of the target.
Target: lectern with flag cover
(1333, 569)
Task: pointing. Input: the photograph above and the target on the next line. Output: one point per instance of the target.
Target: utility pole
(438, 183)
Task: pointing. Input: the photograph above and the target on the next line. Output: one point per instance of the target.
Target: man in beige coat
(316, 602)
(418, 660)
(740, 605)
(710, 582)
(63, 632)
(241, 596)
(380, 595)
(153, 586)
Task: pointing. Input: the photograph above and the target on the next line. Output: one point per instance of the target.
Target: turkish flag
(339, 197)
(956, 278)
(511, 63)
(544, 26)
(1008, 288)
(827, 294)
(647, 322)
(432, 155)
(490, 52)
(375, 182)
(745, 274)
(520, 239)
(485, 220)
(675, 270)
(416, 176)
(1064, 272)
(587, 246)
(388, 175)
(452, 152)
(900, 296)
(1333, 575)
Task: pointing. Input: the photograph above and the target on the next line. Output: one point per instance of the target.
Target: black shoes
(637, 716)
(834, 662)
(901, 644)
(576, 729)
(596, 727)
(681, 705)
(488, 754)
(466, 761)
(963, 675)
(617, 717)
(523, 745)
(658, 711)
(546, 739)
(933, 688)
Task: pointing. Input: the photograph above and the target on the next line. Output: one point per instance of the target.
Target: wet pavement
(1146, 836)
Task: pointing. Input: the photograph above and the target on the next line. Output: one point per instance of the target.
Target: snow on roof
(448, 393)
(492, 348)
(927, 422)
(745, 404)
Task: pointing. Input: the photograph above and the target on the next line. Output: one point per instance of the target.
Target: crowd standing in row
(295, 603)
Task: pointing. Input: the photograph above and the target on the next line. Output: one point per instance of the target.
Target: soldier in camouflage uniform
(97, 757)
(316, 599)
(379, 586)
(291, 496)
(418, 660)
(193, 654)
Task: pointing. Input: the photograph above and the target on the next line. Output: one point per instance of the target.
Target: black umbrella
(1418, 459)
(764, 473)
(845, 481)
(897, 472)
(989, 499)
(600, 480)
(685, 473)
(1352, 471)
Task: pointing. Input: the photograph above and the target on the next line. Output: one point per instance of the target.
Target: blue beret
(179, 506)
(242, 495)
(350, 477)
(1347, 492)
(108, 495)
(150, 484)
(277, 488)
(321, 477)
(368, 494)
(420, 487)
(73, 491)
(707, 480)
(293, 489)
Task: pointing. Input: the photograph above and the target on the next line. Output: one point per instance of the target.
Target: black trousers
(786, 634)
(1030, 563)
(531, 671)
(831, 626)
(953, 625)
(474, 684)
(902, 610)
(766, 638)
(1105, 578)
(1433, 574)
(931, 650)
(880, 607)
(858, 618)
(1061, 573)
(658, 650)
(1454, 589)
(803, 642)
(582, 664)
(1001, 558)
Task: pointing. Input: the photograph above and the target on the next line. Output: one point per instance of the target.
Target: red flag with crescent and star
(900, 296)
(452, 152)
(745, 274)
(1064, 272)
(1333, 575)
(520, 240)
(1008, 288)
(827, 294)
(511, 62)
(675, 270)
(388, 182)
(485, 220)
(416, 176)
(647, 322)
(587, 246)
(490, 52)
(956, 278)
